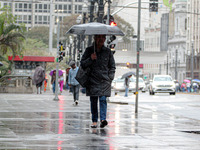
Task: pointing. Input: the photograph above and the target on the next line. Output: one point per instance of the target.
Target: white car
(162, 84)
(142, 85)
(119, 85)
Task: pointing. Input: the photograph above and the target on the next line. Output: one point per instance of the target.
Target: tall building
(193, 39)
(37, 12)
(177, 40)
(153, 35)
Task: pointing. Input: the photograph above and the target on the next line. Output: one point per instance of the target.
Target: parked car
(162, 84)
(119, 86)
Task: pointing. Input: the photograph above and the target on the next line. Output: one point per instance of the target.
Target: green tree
(11, 35)
(35, 47)
(11, 39)
(125, 27)
(42, 34)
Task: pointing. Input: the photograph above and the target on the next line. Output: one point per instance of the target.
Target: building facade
(193, 39)
(177, 41)
(37, 12)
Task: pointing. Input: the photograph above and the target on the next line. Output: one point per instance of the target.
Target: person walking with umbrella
(101, 62)
(73, 83)
(126, 83)
(53, 81)
(39, 77)
(127, 77)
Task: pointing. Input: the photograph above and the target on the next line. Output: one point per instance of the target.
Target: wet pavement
(31, 121)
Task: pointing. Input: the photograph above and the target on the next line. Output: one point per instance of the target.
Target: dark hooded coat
(39, 75)
(102, 71)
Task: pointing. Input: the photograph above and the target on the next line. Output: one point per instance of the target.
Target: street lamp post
(85, 10)
(192, 63)
(91, 19)
(70, 47)
(138, 55)
(74, 51)
(167, 63)
(51, 27)
(57, 63)
(176, 63)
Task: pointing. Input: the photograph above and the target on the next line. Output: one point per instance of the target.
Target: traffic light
(153, 6)
(111, 19)
(112, 23)
(111, 42)
(128, 65)
(61, 52)
(78, 56)
(112, 46)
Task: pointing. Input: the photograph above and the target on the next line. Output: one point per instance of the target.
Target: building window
(185, 24)
(177, 25)
(78, 9)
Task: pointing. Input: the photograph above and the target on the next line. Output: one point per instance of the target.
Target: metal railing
(16, 84)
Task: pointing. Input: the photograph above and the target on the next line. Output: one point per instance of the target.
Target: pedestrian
(61, 82)
(101, 62)
(73, 83)
(67, 73)
(188, 85)
(195, 86)
(53, 81)
(39, 77)
(183, 87)
(45, 83)
(126, 84)
(177, 86)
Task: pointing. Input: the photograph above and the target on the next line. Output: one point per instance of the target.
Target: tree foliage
(11, 35)
(11, 39)
(35, 47)
(125, 27)
(42, 34)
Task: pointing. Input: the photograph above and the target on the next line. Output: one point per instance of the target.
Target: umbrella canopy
(1, 64)
(128, 74)
(95, 28)
(196, 80)
(60, 72)
(187, 81)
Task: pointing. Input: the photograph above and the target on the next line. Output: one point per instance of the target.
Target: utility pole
(108, 14)
(138, 55)
(51, 26)
(100, 11)
(57, 63)
(192, 63)
(176, 63)
(167, 63)
(91, 19)
(74, 52)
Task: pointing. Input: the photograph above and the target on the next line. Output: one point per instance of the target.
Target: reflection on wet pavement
(42, 123)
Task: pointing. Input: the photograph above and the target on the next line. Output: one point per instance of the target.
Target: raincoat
(102, 71)
(39, 75)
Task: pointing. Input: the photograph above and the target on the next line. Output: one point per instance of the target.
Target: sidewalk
(31, 121)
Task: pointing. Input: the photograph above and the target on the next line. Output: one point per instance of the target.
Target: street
(33, 121)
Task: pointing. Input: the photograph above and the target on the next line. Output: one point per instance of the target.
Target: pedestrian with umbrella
(100, 62)
(127, 77)
(53, 78)
(39, 77)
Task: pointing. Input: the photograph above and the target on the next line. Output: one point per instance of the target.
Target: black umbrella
(1, 64)
(128, 74)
